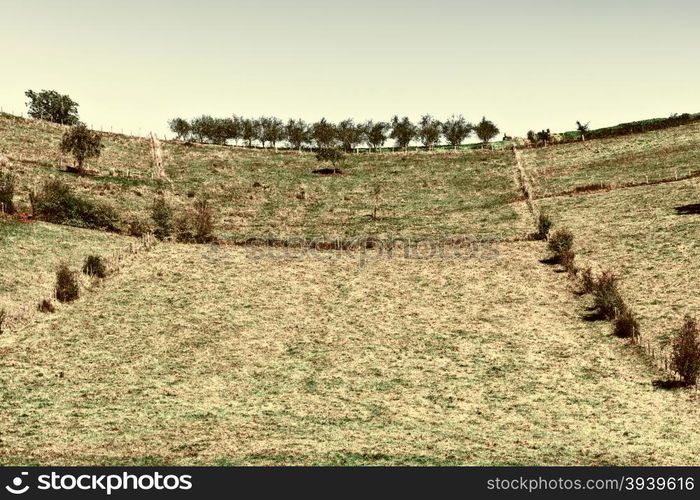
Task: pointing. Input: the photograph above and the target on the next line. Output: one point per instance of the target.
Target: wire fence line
(659, 356)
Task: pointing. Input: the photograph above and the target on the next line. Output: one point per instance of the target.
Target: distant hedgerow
(67, 287)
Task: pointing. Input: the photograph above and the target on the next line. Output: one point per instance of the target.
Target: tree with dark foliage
(82, 143)
(486, 130)
(456, 129)
(51, 106)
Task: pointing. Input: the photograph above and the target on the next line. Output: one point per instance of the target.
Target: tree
(402, 131)
(429, 131)
(375, 134)
(180, 127)
(349, 134)
(324, 133)
(82, 143)
(544, 136)
(456, 129)
(271, 130)
(583, 129)
(217, 130)
(51, 106)
(231, 129)
(204, 128)
(297, 133)
(486, 130)
(248, 131)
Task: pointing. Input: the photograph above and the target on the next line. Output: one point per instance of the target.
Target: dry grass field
(637, 158)
(201, 356)
(229, 354)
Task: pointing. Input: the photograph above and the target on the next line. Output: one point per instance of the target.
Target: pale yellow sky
(132, 65)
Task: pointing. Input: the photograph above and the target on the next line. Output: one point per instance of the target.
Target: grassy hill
(224, 354)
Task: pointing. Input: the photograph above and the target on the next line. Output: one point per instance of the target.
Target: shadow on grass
(668, 384)
(550, 261)
(688, 209)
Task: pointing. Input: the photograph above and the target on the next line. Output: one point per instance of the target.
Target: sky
(133, 65)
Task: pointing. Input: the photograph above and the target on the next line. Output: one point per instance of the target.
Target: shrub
(567, 258)
(7, 192)
(544, 224)
(685, 351)
(67, 288)
(162, 215)
(607, 298)
(56, 202)
(587, 280)
(203, 221)
(561, 241)
(94, 266)
(333, 155)
(196, 225)
(626, 325)
(139, 227)
(46, 306)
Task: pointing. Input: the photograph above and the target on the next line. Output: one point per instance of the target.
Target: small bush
(162, 215)
(203, 221)
(567, 259)
(139, 227)
(3, 318)
(7, 193)
(685, 351)
(67, 287)
(95, 266)
(57, 203)
(196, 225)
(333, 155)
(46, 306)
(626, 325)
(544, 224)
(607, 298)
(587, 280)
(559, 242)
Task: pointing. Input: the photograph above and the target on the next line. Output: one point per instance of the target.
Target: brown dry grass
(207, 356)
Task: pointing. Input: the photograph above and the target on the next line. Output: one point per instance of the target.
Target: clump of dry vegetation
(162, 215)
(196, 225)
(561, 241)
(587, 280)
(607, 298)
(7, 192)
(626, 325)
(685, 351)
(46, 306)
(95, 266)
(3, 318)
(67, 286)
(544, 225)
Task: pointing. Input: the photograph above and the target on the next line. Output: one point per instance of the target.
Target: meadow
(228, 354)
